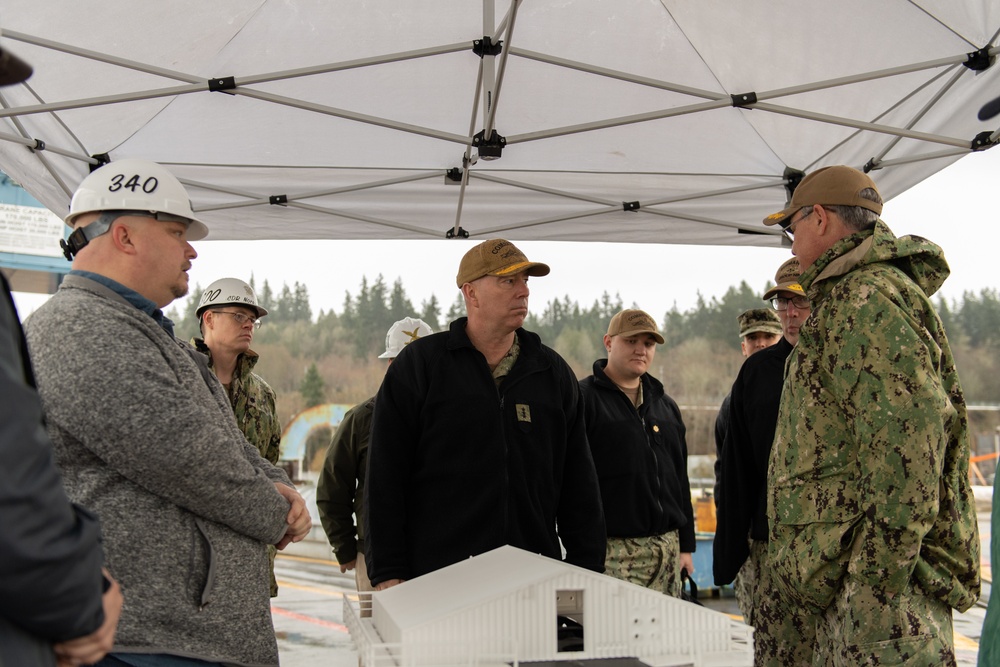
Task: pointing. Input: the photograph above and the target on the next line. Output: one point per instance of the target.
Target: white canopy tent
(663, 121)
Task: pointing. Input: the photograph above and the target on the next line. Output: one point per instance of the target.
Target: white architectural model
(509, 606)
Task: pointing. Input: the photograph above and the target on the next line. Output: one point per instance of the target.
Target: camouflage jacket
(869, 471)
(253, 403)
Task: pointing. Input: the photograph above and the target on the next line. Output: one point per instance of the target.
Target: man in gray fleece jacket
(144, 435)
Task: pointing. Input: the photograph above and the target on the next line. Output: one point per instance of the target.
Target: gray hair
(858, 218)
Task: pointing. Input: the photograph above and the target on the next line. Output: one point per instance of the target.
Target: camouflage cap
(829, 186)
(631, 322)
(786, 279)
(759, 320)
(496, 257)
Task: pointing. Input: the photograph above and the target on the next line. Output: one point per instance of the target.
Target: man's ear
(824, 220)
(469, 292)
(607, 343)
(122, 236)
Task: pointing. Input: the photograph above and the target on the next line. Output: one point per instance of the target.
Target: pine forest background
(329, 357)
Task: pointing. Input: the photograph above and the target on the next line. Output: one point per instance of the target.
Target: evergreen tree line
(333, 357)
(973, 322)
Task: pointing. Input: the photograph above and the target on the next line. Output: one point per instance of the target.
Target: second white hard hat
(229, 291)
(401, 334)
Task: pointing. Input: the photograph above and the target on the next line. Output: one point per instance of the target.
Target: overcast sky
(956, 208)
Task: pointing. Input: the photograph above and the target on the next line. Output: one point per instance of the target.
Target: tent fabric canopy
(658, 121)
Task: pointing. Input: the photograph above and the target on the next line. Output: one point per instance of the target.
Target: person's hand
(687, 563)
(91, 648)
(388, 583)
(344, 567)
(298, 519)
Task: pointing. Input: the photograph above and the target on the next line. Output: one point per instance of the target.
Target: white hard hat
(226, 291)
(401, 334)
(135, 185)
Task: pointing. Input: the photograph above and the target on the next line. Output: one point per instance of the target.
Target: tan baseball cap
(829, 186)
(631, 322)
(496, 257)
(786, 279)
(759, 320)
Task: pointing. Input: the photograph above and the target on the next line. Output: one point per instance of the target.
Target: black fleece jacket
(458, 467)
(641, 459)
(742, 482)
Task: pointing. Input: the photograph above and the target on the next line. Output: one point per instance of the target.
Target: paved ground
(308, 617)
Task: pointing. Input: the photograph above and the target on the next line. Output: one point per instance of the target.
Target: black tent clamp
(222, 84)
(489, 149)
(485, 47)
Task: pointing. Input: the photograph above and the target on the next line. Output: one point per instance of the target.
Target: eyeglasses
(781, 302)
(240, 318)
(787, 229)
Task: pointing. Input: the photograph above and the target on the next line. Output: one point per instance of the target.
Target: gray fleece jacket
(144, 436)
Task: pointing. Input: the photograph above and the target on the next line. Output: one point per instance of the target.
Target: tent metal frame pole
(862, 125)
(467, 156)
(501, 70)
(763, 231)
(261, 199)
(913, 159)
(246, 92)
(621, 76)
(89, 54)
(486, 176)
(923, 111)
(335, 213)
(58, 119)
(488, 69)
(490, 231)
(352, 115)
(102, 57)
(199, 84)
(773, 182)
(892, 142)
(867, 76)
(761, 95)
(30, 143)
(759, 228)
(707, 106)
(364, 218)
(616, 122)
(386, 59)
(104, 100)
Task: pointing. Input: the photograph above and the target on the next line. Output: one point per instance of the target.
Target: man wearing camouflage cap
(783, 636)
(760, 328)
(873, 526)
(638, 440)
(478, 438)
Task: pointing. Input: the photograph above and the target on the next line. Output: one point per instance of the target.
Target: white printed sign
(30, 230)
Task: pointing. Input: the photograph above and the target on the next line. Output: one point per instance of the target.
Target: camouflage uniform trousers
(784, 631)
(745, 583)
(653, 562)
(863, 626)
